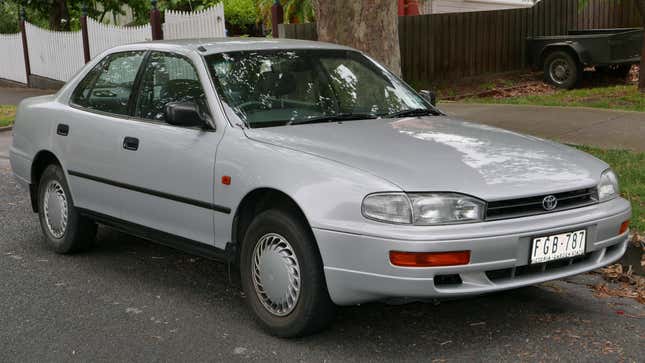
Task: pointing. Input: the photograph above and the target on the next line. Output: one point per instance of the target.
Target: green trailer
(564, 57)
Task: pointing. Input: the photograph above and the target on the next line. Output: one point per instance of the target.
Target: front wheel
(282, 276)
(562, 70)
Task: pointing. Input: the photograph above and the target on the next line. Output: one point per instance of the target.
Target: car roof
(207, 46)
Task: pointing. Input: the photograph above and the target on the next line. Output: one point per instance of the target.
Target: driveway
(131, 300)
(583, 126)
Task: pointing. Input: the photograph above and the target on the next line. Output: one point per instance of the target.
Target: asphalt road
(131, 300)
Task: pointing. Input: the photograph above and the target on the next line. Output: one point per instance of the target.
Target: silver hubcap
(276, 274)
(560, 71)
(55, 208)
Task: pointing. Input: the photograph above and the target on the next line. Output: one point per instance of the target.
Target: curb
(6, 128)
(572, 108)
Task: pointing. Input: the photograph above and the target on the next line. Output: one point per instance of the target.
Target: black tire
(79, 232)
(616, 70)
(562, 70)
(313, 309)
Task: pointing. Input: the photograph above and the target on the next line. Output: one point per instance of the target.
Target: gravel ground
(131, 300)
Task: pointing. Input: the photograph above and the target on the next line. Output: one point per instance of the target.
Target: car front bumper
(358, 270)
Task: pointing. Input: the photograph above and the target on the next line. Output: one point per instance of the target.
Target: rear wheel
(562, 70)
(282, 276)
(65, 230)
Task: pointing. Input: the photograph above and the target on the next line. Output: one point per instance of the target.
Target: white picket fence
(207, 23)
(59, 55)
(53, 54)
(104, 36)
(12, 61)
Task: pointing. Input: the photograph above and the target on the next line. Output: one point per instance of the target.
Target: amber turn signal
(429, 259)
(624, 227)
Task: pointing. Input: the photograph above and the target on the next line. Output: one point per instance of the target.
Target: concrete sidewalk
(583, 126)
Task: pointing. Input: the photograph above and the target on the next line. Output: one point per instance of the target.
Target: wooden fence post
(155, 21)
(277, 17)
(25, 50)
(84, 35)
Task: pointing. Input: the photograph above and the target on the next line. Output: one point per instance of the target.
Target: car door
(87, 131)
(168, 170)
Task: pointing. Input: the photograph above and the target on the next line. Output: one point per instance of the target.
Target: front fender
(329, 193)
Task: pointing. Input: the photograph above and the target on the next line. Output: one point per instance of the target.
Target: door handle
(62, 129)
(131, 143)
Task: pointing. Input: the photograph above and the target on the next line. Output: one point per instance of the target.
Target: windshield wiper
(412, 112)
(334, 118)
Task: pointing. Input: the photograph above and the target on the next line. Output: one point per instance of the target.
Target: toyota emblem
(549, 202)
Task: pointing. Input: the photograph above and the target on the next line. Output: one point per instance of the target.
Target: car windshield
(281, 87)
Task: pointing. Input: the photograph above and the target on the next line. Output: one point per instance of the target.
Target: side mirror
(185, 113)
(429, 96)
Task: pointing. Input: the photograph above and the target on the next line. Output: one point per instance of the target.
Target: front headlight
(608, 186)
(441, 208)
(388, 207)
(423, 209)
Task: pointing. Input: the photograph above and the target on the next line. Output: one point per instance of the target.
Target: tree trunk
(368, 25)
(57, 13)
(640, 4)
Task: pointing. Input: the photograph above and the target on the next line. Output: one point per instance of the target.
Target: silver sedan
(318, 172)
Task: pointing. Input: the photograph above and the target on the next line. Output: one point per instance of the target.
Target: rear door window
(108, 86)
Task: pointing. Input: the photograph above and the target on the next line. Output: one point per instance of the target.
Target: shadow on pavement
(517, 317)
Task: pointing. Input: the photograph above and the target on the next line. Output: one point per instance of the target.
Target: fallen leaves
(519, 84)
(610, 348)
(629, 285)
(525, 88)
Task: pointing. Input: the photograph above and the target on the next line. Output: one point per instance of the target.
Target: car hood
(440, 154)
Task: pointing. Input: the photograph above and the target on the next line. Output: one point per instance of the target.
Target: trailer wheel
(562, 70)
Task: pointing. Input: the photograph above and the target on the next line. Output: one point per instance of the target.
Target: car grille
(515, 208)
(537, 269)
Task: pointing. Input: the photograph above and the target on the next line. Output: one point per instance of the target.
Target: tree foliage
(295, 11)
(65, 14)
(8, 18)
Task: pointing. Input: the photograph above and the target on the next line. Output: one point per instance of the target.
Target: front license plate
(558, 246)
